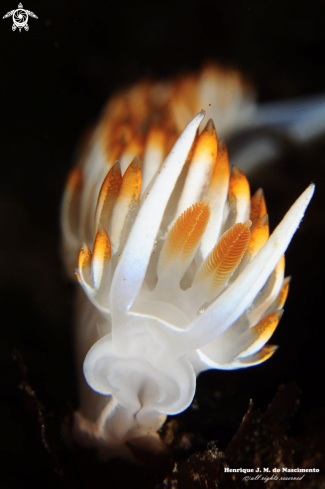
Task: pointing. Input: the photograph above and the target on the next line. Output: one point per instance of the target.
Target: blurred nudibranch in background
(177, 271)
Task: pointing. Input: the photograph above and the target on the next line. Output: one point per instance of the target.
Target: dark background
(54, 81)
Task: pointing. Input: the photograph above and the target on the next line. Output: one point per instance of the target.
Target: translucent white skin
(150, 346)
(302, 120)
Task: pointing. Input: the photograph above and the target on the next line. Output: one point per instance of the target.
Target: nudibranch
(177, 270)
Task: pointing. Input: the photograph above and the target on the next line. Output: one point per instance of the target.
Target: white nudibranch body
(178, 271)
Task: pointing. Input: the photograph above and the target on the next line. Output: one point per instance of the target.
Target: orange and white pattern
(177, 267)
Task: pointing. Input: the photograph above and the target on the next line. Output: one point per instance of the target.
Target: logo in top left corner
(20, 18)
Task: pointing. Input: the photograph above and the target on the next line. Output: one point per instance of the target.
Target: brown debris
(260, 442)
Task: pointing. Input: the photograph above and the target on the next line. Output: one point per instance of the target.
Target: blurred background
(54, 81)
